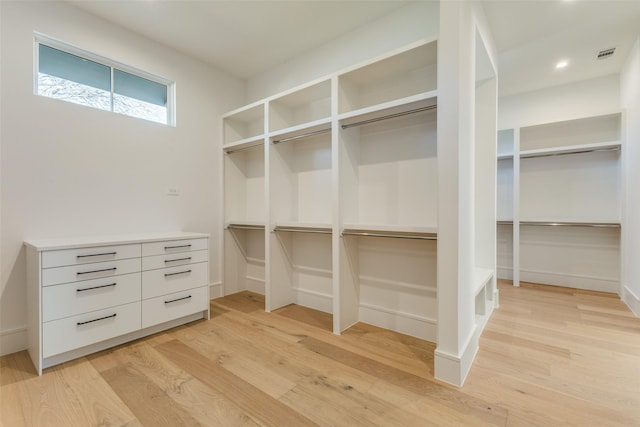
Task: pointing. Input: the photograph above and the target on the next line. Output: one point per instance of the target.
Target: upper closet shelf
(571, 149)
(301, 131)
(244, 124)
(394, 231)
(244, 144)
(391, 109)
(504, 156)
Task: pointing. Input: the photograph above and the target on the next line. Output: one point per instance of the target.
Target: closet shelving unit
(244, 199)
(566, 198)
(351, 193)
(387, 119)
(300, 195)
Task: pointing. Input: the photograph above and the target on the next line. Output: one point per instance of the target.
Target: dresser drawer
(75, 298)
(173, 306)
(174, 279)
(64, 257)
(174, 246)
(74, 273)
(174, 260)
(74, 332)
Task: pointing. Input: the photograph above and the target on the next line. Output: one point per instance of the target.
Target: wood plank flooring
(549, 356)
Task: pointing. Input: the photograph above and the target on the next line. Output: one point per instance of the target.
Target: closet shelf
(425, 99)
(244, 144)
(571, 149)
(393, 231)
(301, 131)
(505, 156)
(504, 222)
(481, 277)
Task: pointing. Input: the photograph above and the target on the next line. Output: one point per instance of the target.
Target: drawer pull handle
(102, 254)
(176, 247)
(180, 272)
(178, 259)
(95, 287)
(96, 271)
(95, 320)
(176, 300)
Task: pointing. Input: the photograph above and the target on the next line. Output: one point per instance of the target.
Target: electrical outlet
(173, 191)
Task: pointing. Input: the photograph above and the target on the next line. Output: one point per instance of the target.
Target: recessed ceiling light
(561, 64)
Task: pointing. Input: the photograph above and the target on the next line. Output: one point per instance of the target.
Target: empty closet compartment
(576, 256)
(244, 185)
(572, 186)
(388, 168)
(391, 281)
(571, 170)
(302, 108)
(409, 74)
(300, 181)
(244, 218)
(244, 249)
(301, 268)
(243, 126)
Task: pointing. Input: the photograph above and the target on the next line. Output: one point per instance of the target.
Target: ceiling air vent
(607, 53)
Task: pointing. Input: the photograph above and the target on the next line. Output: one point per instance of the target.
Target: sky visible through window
(67, 90)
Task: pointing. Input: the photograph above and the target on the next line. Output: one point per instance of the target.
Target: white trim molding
(632, 301)
(13, 340)
(453, 369)
(215, 290)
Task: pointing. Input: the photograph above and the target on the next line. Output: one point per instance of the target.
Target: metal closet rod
(389, 116)
(304, 135)
(570, 224)
(244, 149)
(570, 152)
(302, 230)
(390, 235)
(245, 227)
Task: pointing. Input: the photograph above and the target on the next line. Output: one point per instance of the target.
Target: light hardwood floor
(548, 357)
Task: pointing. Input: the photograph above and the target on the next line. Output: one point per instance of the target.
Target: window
(69, 74)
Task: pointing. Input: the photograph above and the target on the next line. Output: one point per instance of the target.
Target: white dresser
(89, 294)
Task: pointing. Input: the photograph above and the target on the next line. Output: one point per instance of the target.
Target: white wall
(73, 170)
(416, 21)
(582, 99)
(630, 100)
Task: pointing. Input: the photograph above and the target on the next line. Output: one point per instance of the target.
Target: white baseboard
(417, 326)
(215, 290)
(602, 284)
(453, 369)
(313, 299)
(632, 301)
(504, 273)
(255, 284)
(13, 340)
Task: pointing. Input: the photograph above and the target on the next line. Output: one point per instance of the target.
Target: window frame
(112, 64)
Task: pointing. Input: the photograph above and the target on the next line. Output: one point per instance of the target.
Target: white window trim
(74, 50)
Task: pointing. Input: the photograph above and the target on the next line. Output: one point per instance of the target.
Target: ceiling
(246, 38)
(241, 37)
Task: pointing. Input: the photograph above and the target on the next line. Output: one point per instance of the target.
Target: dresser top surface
(89, 241)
